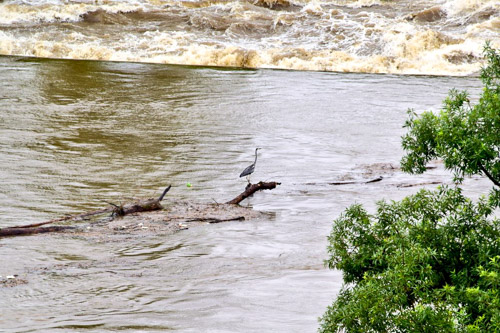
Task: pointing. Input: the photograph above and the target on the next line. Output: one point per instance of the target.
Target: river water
(75, 132)
(436, 37)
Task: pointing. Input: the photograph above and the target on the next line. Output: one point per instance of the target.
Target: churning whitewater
(406, 37)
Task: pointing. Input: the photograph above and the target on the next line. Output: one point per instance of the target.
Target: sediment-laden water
(372, 36)
(76, 133)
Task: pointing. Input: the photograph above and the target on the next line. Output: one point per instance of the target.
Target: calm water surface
(73, 133)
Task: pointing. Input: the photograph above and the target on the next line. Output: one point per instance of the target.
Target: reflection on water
(73, 133)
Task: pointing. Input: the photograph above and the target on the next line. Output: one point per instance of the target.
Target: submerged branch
(66, 218)
(374, 180)
(215, 220)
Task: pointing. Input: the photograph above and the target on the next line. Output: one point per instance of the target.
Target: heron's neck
(255, 158)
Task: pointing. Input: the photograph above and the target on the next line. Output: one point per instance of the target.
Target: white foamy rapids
(36, 12)
(358, 3)
(468, 7)
(430, 37)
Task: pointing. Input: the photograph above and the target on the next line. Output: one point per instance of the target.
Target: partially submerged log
(251, 189)
(138, 206)
(215, 220)
(66, 218)
(374, 180)
(194, 213)
(420, 184)
(134, 207)
(21, 231)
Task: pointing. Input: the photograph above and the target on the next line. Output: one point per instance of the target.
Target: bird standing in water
(250, 169)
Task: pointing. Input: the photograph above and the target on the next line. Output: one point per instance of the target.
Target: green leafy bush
(466, 137)
(422, 264)
(431, 262)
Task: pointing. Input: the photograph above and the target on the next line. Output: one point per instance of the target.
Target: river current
(76, 133)
(97, 105)
(435, 37)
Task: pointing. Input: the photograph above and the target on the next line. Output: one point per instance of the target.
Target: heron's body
(248, 170)
(251, 168)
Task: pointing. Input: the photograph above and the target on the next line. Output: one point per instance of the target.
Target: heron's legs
(248, 179)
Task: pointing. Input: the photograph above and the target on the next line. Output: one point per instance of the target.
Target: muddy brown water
(369, 36)
(73, 133)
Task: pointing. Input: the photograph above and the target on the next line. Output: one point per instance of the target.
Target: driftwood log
(130, 208)
(357, 182)
(251, 189)
(23, 230)
(134, 207)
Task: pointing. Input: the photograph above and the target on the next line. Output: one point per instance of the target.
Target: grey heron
(251, 168)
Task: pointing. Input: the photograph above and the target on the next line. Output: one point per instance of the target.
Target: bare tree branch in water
(251, 189)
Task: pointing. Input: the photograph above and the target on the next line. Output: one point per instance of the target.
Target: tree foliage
(466, 137)
(430, 262)
(423, 264)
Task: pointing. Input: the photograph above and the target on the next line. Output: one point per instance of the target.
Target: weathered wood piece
(420, 184)
(251, 189)
(161, 220)
(138, 206)
(7, 232)
(134, 207)
(215, 219)
(357, 182)
(66, 218)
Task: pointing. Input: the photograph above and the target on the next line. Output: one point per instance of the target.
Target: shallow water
(73, 133)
